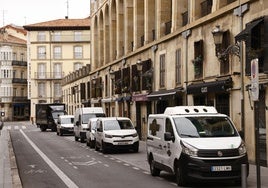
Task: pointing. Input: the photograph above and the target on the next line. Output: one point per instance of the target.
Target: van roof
(66, 116)
(94, 110)
(187, 110)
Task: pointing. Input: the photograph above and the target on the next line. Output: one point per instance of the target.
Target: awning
(95, 101)
(164, 94)
(210, 87)
(121, 99)
(140, 97)
(244, 34)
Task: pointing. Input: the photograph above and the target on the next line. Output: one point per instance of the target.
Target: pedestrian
(1, 126)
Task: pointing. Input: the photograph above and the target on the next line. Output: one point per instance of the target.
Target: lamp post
(112, 76)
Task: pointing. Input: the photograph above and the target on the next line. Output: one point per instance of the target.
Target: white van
(195, 143)
(81, 117)
(65, 124)
(116, 133)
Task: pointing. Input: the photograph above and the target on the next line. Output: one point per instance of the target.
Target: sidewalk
(9, 177)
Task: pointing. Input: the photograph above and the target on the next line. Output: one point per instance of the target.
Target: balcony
(19, 63)
(19, 99)
(70, 38)
(48, 75)
(19, 81)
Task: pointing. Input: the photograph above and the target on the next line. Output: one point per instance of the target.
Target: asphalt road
(47, 160)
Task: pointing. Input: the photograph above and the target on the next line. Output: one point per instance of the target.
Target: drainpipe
(186, 35)
(240, 13)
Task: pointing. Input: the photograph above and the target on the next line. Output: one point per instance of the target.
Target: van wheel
(103, 148)
(91, 144)
(96, 147)
(82, 140)
(76, 138)
(154, 171)
(180, 176)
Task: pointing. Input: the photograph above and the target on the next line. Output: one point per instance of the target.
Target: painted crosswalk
(16, 127)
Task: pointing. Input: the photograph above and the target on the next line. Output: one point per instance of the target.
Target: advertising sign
(255, 79)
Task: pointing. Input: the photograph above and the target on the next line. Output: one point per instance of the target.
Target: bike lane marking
(68, 182)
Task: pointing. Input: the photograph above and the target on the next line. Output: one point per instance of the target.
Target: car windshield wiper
(190, 135)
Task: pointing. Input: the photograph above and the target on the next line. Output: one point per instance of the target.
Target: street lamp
(222, 54)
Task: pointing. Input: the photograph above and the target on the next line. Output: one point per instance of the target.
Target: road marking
(68, 182)
(23, 127)
(16, 127)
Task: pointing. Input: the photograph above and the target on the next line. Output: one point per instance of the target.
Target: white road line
(16, 127)
(23, 127)
(68, 182)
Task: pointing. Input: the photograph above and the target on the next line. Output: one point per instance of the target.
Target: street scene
(47, 160)
(127, 93)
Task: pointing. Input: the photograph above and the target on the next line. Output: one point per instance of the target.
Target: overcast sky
(25, 12)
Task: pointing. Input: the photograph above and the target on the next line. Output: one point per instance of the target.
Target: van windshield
(204, 127)
(67, 120)
(117, 125)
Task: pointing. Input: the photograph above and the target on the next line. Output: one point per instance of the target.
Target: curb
(16, 181)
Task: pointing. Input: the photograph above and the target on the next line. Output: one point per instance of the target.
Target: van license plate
(123, 143)
(221, 168)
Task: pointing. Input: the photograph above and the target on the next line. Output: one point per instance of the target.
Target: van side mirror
(169, 137)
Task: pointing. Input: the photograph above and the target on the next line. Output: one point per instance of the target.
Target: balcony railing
(19, 63)
(19, 99)
(19, 80)
(48, 75)
(68, 38)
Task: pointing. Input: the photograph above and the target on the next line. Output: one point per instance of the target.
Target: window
(22, 74)
(57, 52)
(162, 70)
(14, 73)
(57, 70)
(57, 89)
(22, 57)
(77, 66)
(41, 52)
(198, 60)
(41, 36)
(78, 52)
(15, 56)
(206, 7)
(57, 36)
(41, 89)
(41, 69)
(22, 92)
(77, 35)
(178, 67)
(14, 92)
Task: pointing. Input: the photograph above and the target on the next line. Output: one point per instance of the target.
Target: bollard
(243, 175)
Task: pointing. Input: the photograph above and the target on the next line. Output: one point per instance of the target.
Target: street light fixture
(139, 65)
(222, 54)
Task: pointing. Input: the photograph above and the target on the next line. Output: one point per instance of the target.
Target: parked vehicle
(195, 143)
(90, 134)
(81, 118)
(65, 124)
(47, 115)
(116, 133)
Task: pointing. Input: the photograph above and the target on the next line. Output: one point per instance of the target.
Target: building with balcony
(13, 74)
(56, 48)
(150, 54)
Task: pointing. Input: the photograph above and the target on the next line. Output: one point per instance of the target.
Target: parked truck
(47, 115)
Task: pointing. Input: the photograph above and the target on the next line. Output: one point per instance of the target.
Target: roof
(186, 110)
(60, 24)
(6, 38)
(19, 29)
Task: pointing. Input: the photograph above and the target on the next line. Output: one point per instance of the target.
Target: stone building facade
(14, 104)
(56, 48)
(150, 54)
